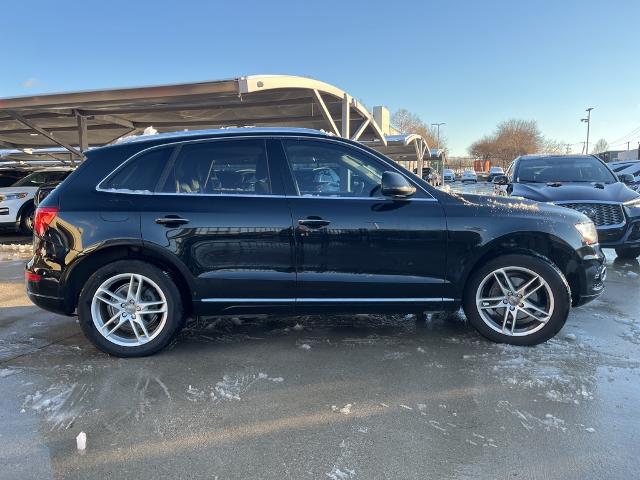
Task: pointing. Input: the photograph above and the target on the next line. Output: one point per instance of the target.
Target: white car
(16, 201)
(469, 176)
(448, 175)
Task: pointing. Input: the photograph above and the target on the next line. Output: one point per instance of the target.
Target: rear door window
(223, 167)
(141, 174)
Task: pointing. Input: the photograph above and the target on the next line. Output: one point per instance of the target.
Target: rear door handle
(170, 220)
(314, 222)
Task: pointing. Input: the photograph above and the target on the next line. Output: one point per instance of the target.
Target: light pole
(437, 125)
(588, 122)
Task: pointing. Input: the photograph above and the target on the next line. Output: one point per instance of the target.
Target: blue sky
(470, 63)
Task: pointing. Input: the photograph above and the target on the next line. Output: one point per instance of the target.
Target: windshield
(36, 179)
(564, 169)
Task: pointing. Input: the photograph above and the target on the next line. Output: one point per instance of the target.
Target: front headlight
(588, 232)
(13, 196)
(633, 203)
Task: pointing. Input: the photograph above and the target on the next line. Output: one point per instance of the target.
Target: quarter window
(324, 170)
(222, 167)
(140, 174)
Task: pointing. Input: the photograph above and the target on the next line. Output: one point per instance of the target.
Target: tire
(135, 337)
(552, 296)
(26, 221)
(628, 253)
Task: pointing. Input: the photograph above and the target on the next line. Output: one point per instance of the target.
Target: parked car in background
(9, 176)
(584, 183)
(44, 190)
(469, 176)
(448, 175)
(16, 201)
(430, 175)
(155, 230)
(628, 168)
(493, 172)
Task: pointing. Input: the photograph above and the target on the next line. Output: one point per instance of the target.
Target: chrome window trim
(321, 300)
(175, 145)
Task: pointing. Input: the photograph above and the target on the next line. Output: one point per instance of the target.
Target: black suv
(147, 233)
(586, 184)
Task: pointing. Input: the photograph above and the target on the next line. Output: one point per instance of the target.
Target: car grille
(602, 214)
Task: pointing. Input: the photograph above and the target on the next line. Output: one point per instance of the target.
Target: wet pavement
(338, 397)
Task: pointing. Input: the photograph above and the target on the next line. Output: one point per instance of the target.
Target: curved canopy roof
(77, 120)
(403, 148)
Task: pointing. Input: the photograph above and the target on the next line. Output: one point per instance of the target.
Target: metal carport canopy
(78, 120)
(409, 149)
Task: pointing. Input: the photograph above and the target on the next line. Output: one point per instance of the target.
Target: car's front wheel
(130, 309)
(517, 299)
(628, 253)
(26, 221)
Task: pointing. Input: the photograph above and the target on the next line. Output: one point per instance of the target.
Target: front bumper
(9, 210)
(591, 277)
(627, 236)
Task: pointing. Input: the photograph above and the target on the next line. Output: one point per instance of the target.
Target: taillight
(43, 218)
(32, 277)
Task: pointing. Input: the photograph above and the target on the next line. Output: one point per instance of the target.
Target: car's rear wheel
(517, 299)
(628, 253)
(130, 309)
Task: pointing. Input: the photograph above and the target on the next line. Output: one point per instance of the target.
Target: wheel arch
(539, 244)
(85, 265)
(25, 207)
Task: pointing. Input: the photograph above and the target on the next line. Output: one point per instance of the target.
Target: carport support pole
(346, 110)
(419, 156)
(83, 141)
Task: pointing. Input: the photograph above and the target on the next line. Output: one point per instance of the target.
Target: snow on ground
(230, 388)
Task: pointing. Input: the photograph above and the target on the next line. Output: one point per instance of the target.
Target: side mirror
(501, 180)
(626, 178)
(395, 185)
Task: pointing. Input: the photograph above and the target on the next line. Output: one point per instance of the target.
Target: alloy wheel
(129, 309)
(514, 301)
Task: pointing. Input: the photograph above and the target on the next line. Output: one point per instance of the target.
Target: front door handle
(314, 222)
(171, 220)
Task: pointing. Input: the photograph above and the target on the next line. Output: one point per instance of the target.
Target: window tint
(140, 174)
(221, 167)
(36, 179)
(325, 169)
(564, 169)
(56, 176)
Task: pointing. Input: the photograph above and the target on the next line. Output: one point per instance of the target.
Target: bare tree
(511, 139)
(550, 145)
(600, 146)
(408, 122)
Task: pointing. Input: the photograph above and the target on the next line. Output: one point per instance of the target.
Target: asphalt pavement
(338, 397)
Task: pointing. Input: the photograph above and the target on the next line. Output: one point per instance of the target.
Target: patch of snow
(346, 410)
(590, 430)
(5, 372)
(395, 355)
(298, 328)
(305, 346)
(337, 474)
(81, 441)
